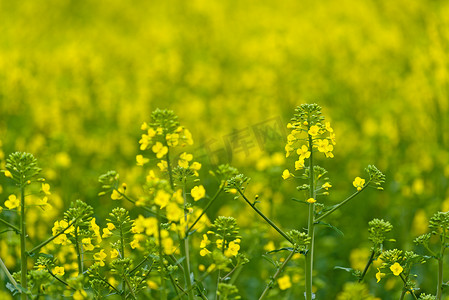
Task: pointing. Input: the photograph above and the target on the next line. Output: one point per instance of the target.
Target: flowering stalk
(78, 252)
(15, 228)
(220, 189)
(271, 223)
(185, 248)
(161, 261)
(440, 265)
(31, 252)
(278, 272)
(22, 168)
(341, 203)
(406, 289)
(8, 274)
(310, 227)
(122, 249)
(23, 254)
(60, 280)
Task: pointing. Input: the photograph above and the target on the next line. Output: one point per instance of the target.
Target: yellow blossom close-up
(358, 183)
(396, 268)
(12, 202)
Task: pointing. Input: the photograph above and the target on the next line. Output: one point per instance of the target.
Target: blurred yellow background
(77, 79)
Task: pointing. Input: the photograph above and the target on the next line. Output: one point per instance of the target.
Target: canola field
(87, 87)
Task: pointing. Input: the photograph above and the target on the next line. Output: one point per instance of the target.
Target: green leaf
(349, 270)
(331, 226)
(281, 249)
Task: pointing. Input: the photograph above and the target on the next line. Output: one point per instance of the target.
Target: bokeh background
(78, 78)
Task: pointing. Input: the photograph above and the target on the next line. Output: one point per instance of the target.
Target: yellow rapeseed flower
(141, 160)
(8, 174)
(358, 183)
(79, 295)
(162, 165)
(114, 253)
(379, 275)
(172, 139)
(58, 271)
(396, 269)
(204, 252)
(284, 282)
(134, 244)
(303, 152)
(106, 233)
(116, 194)
(144, 126)
(46, 188)
(286, 174)
(205, 241)
(314, 130)
(288, 149)
(299, 164)
(87, 244)
(162, 198)
(174, 212)
(198, 192)
(159, 149)
(12, 202)
(233, 249)
(100, 257)
(326, 186)
(324, 147)
(311, 200)
(61, 240)
(110, 226)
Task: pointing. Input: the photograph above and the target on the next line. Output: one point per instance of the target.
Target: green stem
(368, 264)
(170, 175)
(175, 286)
(161, 262)
(220, 189)
(405, 287)
(275, 276)
(175, 262)
(440, 278)
(440, 266)
(8, 274)
(265, 217)
(134, 202)
(60, 280)
(185, 249)
(204, 276)
(23, 255)
(223, 243)
(138, 265)
(78, 252)
(341, 203)
(310, 227)
(49, 240)
(186, 268)
(430, 251)
(16, 229)
(122, 250)
(130, 288)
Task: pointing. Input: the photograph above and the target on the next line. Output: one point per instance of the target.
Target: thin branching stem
(341, 203)
(23, 254)
(16, 229)
(275, 276)
(220, 189)
(264, 217)
(50, 239)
